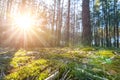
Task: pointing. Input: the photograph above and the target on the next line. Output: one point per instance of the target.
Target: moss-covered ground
(60, 64)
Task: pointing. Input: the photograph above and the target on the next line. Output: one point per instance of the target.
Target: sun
(23, 21)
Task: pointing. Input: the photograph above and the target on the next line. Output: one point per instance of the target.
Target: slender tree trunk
(114, 23)
(106, 24)
(59, 23)
(74, 26)
(53, 24)
(68, 24)
(117, 30)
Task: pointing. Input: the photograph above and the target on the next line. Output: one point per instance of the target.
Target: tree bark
(86, 33)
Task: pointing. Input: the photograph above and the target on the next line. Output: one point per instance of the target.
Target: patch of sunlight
(105, 53)
(19, 61)
(20, 52)
(40, 61)
(44, 75)
(33, 69)
(74, 52)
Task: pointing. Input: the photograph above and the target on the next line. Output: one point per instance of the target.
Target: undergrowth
(87, 63)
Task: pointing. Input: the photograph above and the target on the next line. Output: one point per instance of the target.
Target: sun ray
(26, 32)
(43, 42)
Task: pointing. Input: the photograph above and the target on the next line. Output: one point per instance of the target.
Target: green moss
(105, 53)
(86, 63)
(19, 60)
(42, 76)
(20, 52)
(29, 70)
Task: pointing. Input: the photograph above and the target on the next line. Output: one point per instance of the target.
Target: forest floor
(60, 64)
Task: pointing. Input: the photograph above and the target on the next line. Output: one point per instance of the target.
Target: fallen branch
(53, 76)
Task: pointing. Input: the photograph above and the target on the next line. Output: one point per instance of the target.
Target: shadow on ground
(6, 55)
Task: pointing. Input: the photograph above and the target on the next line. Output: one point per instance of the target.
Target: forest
(59, 39)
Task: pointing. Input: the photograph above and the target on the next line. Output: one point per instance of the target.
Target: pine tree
(86, 33)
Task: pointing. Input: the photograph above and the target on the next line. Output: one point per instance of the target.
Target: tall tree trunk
(68, 24)
(58, 23)
(86, 34)
(106, 24)
(117, 25)
(114, 23)
(74, 26)
(53, 24)
(117, 30)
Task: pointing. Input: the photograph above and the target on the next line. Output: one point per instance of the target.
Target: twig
(52, 77)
